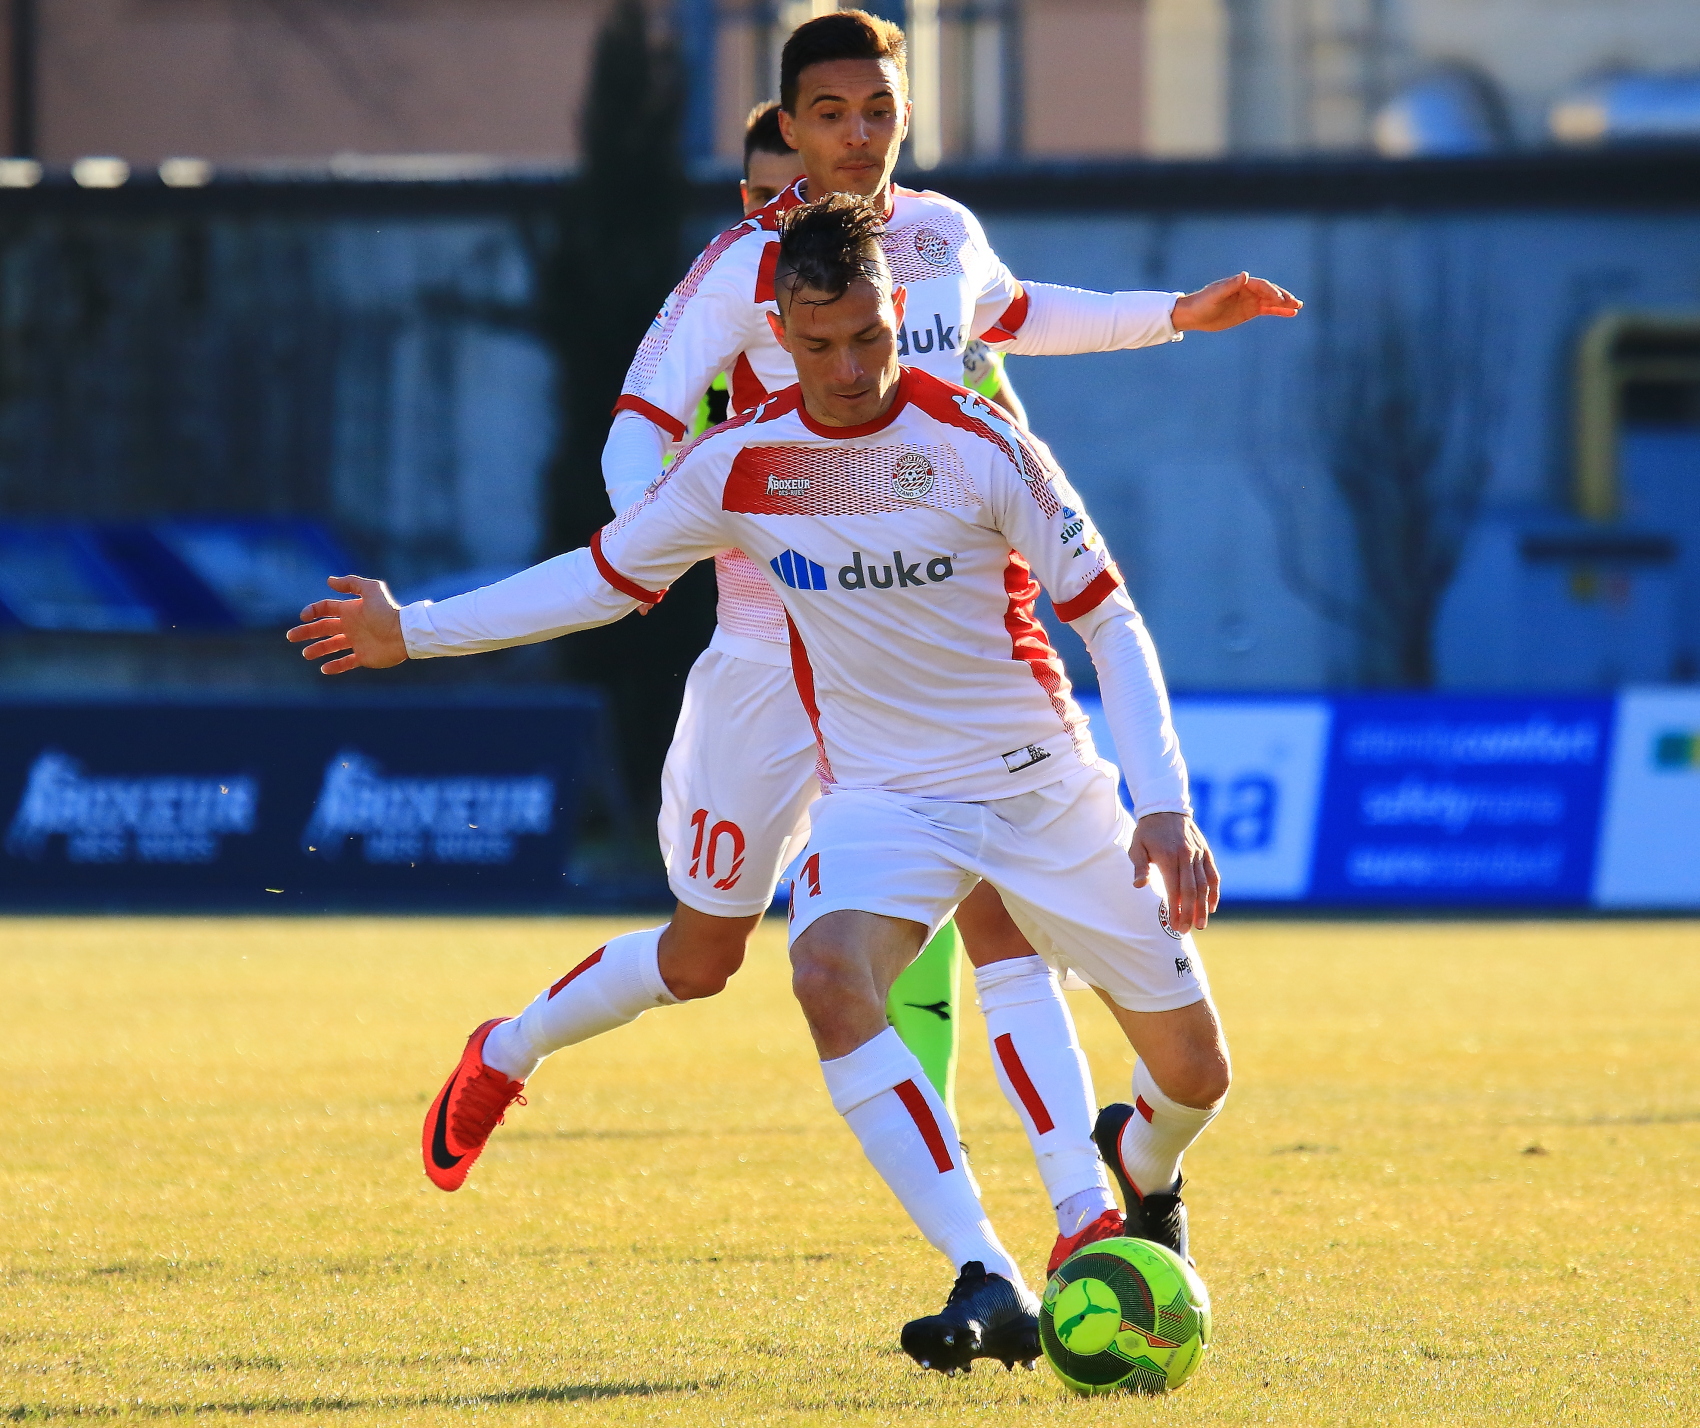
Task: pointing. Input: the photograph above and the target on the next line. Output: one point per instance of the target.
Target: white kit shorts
(737, 785)
(1057, 855)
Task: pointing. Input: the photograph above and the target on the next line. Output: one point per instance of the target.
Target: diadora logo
(798, 571)
(858, 575)
(925, 339)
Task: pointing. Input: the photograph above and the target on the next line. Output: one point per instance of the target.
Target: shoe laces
(482, 1105)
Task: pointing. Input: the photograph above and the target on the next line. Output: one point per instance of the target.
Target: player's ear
(787, 129)
(778, 325)
(899, 298)
(744, 194)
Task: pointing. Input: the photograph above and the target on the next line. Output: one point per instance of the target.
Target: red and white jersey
(907, 556)
(715, 321)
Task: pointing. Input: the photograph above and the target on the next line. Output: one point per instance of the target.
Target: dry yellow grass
(211, 1203)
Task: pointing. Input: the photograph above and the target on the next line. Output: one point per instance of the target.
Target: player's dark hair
(843, 34)
(761, 133)
(827, 245)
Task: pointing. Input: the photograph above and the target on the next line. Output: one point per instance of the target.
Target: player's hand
(364, 632)
(1174, 844)
(1228, 302)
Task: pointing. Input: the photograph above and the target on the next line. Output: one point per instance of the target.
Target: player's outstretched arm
(1228, 302)
(363, 633)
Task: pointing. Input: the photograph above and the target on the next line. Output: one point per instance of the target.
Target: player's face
(845, 351)
(851, 120)
(769, 175)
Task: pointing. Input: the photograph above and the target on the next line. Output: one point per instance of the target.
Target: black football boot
(1158, 1218)
(986, 1317)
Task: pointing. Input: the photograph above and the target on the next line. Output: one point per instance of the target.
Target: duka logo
(921, 340)
(459, 819)
(151, 818)
(858, 575)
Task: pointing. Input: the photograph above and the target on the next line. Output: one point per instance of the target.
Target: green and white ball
(1124, 1314)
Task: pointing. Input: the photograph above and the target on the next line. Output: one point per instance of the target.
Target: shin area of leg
(897, 1116)
(923, 1007)
(616, 984)
(1042, 1070)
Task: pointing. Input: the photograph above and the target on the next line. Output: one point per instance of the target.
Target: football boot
(985, 1317)
(1160, 1218)
(1108, 1226)
(473, 1102)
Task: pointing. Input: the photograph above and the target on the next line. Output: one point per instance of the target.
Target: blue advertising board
(296, 806)
(1462, 801)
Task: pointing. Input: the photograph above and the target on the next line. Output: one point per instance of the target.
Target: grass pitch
(1458, 1182)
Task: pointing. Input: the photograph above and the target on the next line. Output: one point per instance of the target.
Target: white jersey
(715, 321)
(903, 554)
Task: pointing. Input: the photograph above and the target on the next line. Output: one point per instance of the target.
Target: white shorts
(1058, 856)
(737, 785)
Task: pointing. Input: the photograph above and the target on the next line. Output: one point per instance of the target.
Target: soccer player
(923, 1006)
(901, 521)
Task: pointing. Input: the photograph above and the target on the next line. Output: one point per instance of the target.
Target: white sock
(893, 1110)
(616, 984)
(1042, 1070)
(1155, 1138)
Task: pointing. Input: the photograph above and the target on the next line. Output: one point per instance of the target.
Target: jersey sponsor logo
(1025, 757)
(1077, 527)
(921, 340)
(798, 571)
(863, 573)
(913, 478)
(786, 485)
(932, 247)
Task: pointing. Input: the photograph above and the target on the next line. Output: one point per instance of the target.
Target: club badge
(913, 478)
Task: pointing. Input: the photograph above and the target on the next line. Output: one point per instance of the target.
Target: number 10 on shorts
(708, 840)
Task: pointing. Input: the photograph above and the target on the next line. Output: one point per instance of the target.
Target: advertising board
(285, 806)
(1650, 835)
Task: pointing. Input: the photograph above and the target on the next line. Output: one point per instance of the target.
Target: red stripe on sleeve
(618, 581)
(669, 424)
(764, 274)
(1023, 1084)
(1010, 323)
(579, 970)
(916, 1104)
(1102, 587)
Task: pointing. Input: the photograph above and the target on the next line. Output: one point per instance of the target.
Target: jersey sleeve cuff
(629, 588)
(670, 424)
(1098, 590)
(418, 630)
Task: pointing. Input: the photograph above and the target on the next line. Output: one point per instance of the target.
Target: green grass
(1458, 1182)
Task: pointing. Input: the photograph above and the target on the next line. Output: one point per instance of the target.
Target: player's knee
(706, 977)
(1200, 1080)
(825, 978)
(701, 960)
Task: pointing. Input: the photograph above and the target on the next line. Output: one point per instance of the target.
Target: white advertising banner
(1256, 769)
(1650, 835)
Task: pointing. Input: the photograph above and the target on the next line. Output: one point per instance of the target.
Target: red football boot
(471, 1104)
(1108, 1226)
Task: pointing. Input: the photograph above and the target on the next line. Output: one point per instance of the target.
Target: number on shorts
(811, 873)
(710, 838)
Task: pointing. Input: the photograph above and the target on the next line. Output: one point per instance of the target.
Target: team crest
(1163, 917)
(913, 478)
(932, 247)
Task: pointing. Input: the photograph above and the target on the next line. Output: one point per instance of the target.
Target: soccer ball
(1124, 1314)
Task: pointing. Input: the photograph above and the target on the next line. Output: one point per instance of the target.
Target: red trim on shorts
(1005, 328)
(578, 971)
(669, 424)
(1140, 1105)
(613, 577)
(764, 274)
(1023, 1084)
(916, 1104)
(747, 390)
(1100, 588)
